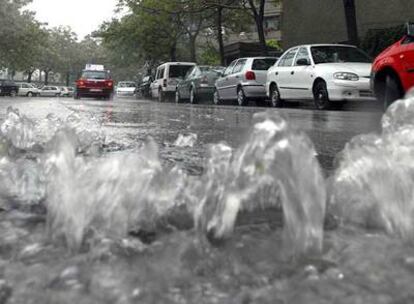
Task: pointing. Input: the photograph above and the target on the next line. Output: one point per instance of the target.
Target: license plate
(96, 90)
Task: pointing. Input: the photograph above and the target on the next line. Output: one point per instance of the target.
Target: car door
(407, 58)
(156, 83)
(222, 82)
(186, 83)
(283, 72)
(302, 75)
(44, 91)
(23, 89)
(235, 78)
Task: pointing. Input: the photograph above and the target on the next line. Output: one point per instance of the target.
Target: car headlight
(346, 76)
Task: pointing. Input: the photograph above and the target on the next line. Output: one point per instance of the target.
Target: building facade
(272, 27)
(323, 21)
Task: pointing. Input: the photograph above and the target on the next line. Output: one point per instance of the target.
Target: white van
(167, 77)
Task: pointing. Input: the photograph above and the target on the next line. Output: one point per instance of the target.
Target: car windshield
(177, 71)
(94, 75)
(338, 54)
(126, 85)
(263, 64)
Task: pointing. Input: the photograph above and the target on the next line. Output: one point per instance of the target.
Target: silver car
(244, 79)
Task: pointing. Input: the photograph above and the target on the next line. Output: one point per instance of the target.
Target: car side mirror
(302, 62)
(410, 29)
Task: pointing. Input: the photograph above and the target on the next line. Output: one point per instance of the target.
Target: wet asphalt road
(128, 122)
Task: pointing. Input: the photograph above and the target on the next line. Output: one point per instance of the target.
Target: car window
(338, 54)
(229, 69)
(303, 54)
(160, 73)
(408, 40)
(126, 85)
(95, 75)
(239, 65)
(189, 73)
(287, 59)
(263, 64)
(177, 71)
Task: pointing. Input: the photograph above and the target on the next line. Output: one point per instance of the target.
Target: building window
(271, 24)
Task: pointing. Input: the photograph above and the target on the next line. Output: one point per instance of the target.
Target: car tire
(275, 100)
(241, 98)
(193, 96)
(160, 95)
(216, 97)
(57, 95)
(29, 94)
(321, 96)
(77, 96)
(177, 96)
(392, 91)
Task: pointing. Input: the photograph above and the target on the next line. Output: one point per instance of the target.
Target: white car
(67, 91)
(126, 88)
(324, 73)
(27, 89)
(243, 79)
(167, 77)
(49, 91)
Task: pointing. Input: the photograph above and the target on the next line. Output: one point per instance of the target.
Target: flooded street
(129, 201)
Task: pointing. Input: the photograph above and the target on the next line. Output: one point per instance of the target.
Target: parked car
(49, 91)
(143, 89)
(27, 89)
(167, 77)
(67, 91)
(243, 79)
(393, 69)
(198, 83)
(126, 88)
(324, 73)
(94, 82)
(9, 88)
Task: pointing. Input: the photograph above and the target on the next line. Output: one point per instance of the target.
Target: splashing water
(186, 140)
(276, 166)
(373, 185)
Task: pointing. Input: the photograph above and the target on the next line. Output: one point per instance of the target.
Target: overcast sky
(84, 16)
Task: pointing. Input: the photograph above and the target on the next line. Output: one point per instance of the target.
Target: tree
(351, 21)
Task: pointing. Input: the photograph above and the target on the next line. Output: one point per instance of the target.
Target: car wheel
(77, 96)
(29, 94)
(241, 97)
(392, 91)
(57, 95)
(216, 97)
(275, 100)
(13, 94)
(177, 96)
(193, 96)
(160, 95)
(321, 96)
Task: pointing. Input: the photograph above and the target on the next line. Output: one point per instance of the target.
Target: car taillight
(109, 83)
(250, 75)
(164, 83)
(81, 83)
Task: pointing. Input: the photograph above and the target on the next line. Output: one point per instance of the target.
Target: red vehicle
(393, 69)
(94, 83)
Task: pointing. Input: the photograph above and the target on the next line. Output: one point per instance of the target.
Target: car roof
(322, 44)
(259, 57)
(177, 63)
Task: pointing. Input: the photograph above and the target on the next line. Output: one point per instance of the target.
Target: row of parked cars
(10, 88)
(325, 74)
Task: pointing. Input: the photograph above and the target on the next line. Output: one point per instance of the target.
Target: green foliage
(210, 56)
(273, 43)
(375, 41)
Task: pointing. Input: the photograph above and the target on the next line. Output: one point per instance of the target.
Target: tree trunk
(67, 78)
(46, 77)
(220, 34)
(29, 76)
(258, 19)
(173, 52)
(351, 21)
(193, 53)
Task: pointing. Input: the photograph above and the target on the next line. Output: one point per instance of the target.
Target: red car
(393, 69)
(94, 83)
